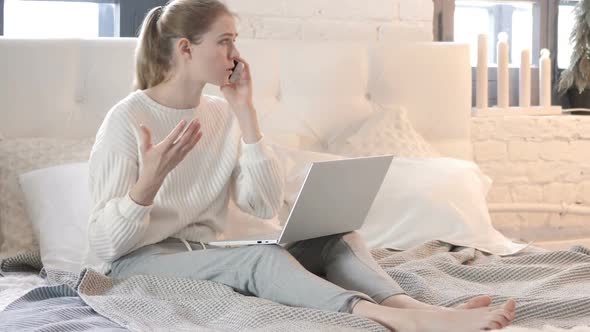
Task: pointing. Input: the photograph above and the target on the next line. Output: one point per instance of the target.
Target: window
(58, 19)
(531, 24)
(492, 17)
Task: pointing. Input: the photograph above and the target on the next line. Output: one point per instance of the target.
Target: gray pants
(330, 273)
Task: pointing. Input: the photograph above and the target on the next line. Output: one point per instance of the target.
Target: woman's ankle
(403, 301)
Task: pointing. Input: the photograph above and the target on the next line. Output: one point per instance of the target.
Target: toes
(476, 302)
(493, 326)
(502, 320)
(510, 305)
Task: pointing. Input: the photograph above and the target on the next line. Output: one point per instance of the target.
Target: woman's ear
(184, 48)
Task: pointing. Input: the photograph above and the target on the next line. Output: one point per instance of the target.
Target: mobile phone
(236, 72)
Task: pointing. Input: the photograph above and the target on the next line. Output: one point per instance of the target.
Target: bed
(309, 95)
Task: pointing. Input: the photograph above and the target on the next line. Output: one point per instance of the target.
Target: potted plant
(575, 80)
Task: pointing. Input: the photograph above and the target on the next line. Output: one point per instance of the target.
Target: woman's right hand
(162, 158)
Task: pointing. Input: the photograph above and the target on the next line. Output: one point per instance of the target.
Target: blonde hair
(178, 19)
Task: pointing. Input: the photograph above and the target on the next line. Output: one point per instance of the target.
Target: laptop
(335, 198)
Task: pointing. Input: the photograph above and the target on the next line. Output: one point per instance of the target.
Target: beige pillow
(23, 155)
(386, 131)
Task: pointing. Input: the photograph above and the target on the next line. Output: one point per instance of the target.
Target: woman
(167, 159)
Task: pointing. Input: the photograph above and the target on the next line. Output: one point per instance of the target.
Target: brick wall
(536, 160)
(376, 20)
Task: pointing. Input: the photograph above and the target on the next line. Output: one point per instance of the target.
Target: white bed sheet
(15, 285)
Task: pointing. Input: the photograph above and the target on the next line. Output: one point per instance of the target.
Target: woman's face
(212, 59)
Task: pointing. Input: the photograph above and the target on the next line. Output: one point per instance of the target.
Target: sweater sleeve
(258, 181)
(116, 222)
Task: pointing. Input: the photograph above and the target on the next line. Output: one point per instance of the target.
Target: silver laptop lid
(335, 198)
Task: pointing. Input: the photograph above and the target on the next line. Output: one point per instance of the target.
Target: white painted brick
(301, 8)
(355, 9)
(490, 150)
(339, 30)
(385, 10)
(533, 220)
(499, 194)
(368, 10)
(245, 27)
(583, 128)
(532, 128)
(557, 127)
(579, 151)
(554, 150)
(583, 191)
(416, 10)
(507, 168)
(523, 150)
(535, 227)
(401, 32)
(257, 7)
(569, 226)
(560, 193)
(507, 224)
(277, 29)
(505, 172)
(548, 171)
(483, 128)
(527, 193)
(571, 220)
(518, 127)
(577, 173)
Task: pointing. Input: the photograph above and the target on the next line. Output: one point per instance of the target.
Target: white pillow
(326, 118)
(386, 131)
(423, 199)
(58, 202)
(22, 155)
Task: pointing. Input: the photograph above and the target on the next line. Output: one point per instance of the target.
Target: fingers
(175, 133)
(146, 137)
(187, 137)
(246, 64)
(246, 72)
(194, 140)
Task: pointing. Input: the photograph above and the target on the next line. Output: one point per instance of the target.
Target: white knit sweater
(192, 202)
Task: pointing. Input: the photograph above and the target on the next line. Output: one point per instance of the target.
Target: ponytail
(150, 67)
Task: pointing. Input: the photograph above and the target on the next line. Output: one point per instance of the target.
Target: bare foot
(476, 302)
(412, 320)
(405, 302)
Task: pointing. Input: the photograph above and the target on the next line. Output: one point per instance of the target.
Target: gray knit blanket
(551, 288)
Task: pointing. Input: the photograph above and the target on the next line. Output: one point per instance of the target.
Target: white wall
(536, 160)
(376, 20)
(530, 159)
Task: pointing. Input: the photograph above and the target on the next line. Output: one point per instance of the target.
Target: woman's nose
(235, 53)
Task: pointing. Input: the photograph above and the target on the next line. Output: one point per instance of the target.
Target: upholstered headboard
(63, 88)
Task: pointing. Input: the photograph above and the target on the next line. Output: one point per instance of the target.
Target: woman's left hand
(239, 94)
